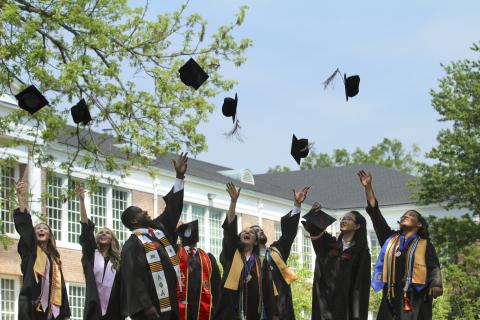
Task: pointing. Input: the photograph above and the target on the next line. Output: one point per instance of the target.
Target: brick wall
(268, 227)
(248, 220)
(143, 200)
(72, 267)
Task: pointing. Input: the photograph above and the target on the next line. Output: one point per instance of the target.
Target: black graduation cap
(229, 108)
(188, 232)
(351, 83)
(316, 221)
(300, 148)
(31, 99)
(192, 74)
(80, 113)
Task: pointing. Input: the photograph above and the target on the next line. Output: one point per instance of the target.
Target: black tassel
(327, 82)
(235, 132)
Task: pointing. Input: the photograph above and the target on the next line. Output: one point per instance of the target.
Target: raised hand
(365, 178)
(300, 196)
(181, 165)
(22, 189)
(233, 192)
(81, 191)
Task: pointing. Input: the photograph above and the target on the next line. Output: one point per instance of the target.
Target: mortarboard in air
(192, 74)
(316, 221)
(80, 113)
(229, 107)
(299, 149)
(351, 83)
(31, 99)
(188, 232)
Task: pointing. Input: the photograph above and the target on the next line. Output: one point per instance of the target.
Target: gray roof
(334, 188)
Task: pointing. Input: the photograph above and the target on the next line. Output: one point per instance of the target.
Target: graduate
(200, 276)
(101, 267)
(277, 277)
(150, 270)
(407, 270)
(241, 291)
(341, 281)
(43, 295)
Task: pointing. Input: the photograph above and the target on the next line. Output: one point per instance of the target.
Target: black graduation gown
(229, 302)
(280, 306)
(421, 302)
(137, 287)
(341, 281)
(194, 285)
(92, 310)
(30, 291)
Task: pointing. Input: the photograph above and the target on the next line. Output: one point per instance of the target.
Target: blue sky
(396, 48)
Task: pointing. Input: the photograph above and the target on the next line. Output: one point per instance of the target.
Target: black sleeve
(361, 289)
(172, 213)
(87, 239)
(321, 245)
(433, 267)
(27, 243)
(229, 241)
(289, 227)
(135, 279)
(380, 225)
(215, 281)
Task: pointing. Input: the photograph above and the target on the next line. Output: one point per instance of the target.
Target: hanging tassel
(235, 132)
(406, 303)
(327, 82)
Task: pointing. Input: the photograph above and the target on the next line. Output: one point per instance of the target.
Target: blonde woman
(43, 295)
(101, 266)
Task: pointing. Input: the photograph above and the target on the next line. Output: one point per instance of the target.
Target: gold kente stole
(56, 280)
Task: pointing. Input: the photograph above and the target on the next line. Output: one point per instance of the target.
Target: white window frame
(16, 176)
(64, 243)
(68, 284)
(16, 288)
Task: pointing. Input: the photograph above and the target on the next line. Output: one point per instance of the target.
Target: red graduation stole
(205, 303)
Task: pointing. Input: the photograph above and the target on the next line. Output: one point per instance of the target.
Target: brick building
(264, 199)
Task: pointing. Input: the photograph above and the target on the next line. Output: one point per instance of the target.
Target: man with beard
(200, 276)
(276, 276)
(149, 263)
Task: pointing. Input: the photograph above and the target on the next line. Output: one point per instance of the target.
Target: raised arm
(174, 199)
(380, 225)
(289, 223)
(321, 241)
(230, 228)
(234, 194)
(23, 224)
(87, 236)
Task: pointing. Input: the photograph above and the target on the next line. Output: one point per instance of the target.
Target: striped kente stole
(155, 263)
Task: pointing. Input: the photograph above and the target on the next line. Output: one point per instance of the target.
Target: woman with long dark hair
(43, 295)
(241, 291)
(101, 266)
(407, 269)
(341, 282)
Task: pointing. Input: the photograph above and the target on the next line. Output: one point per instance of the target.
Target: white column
(156, 184)
(34, 186)
(260, 212)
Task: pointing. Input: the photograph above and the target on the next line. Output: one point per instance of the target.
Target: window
(278, 230)
(307, 252)
(120, 203)
(104, 209)
(7, 183)
(198, 213)
(76, 299)
(54, 205)
(8, 298)
(216, 231)
(98, 207)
